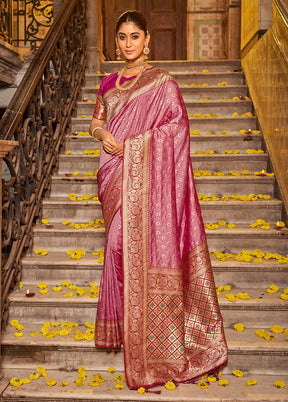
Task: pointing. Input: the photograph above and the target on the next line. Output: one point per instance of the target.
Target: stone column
(234, 31)
(5, 147)
(94, 27)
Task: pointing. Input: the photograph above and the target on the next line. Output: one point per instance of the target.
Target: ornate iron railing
(38, 117)
(24, 23)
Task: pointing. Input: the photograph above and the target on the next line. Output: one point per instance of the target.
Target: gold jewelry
(117, 84)
(134, 66)
(118, 52)
(146, 50)
(93, 131)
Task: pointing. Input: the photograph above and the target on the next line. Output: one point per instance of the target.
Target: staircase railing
(38, 117)
(266, 71)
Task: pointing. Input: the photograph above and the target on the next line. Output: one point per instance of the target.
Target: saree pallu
(169, 319)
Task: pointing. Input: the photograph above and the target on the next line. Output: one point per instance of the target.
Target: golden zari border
(112, 200)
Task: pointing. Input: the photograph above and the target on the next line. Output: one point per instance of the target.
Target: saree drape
(157, 292)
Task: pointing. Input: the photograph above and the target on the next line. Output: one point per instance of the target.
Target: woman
(157, 293)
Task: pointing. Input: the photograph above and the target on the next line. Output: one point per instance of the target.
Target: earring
(118, 52)
(146, 50)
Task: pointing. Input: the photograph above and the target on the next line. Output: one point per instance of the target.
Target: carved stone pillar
(94, 29)
(5, 147)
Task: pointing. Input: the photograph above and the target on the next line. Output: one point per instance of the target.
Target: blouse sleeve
(100, 110)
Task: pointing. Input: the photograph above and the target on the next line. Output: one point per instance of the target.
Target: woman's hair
(132, 16)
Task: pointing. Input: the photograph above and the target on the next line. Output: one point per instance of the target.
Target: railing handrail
(14, 112)
(38, 118)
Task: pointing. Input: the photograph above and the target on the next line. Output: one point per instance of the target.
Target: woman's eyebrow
(132, 33)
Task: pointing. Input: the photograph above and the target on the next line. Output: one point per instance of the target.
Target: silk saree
(157, 291)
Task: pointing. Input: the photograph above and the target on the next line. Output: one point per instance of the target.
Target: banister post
(94, 18)
(5, 147)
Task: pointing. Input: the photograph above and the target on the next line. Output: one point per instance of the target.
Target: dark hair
(132, 16)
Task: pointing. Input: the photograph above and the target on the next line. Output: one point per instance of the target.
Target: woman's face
(131, 40)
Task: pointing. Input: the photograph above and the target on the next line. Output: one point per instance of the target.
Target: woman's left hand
(118, 150)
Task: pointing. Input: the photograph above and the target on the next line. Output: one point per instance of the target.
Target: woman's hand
(108, 141)
(118, 149)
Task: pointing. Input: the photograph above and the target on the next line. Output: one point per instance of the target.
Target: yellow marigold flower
(202, 385)
(83, 116)
(243, 295)
(75, 173)
(57, 288)
(119, 386)
(45, 221)
(279, 384)
(25, 381)
(66, 222)
(34, 376)
(43, 291)
(65, 283)
(33, 333)
(51, 382)
(211, 378)
(14, 323)
(94, 383)
(111, 370)
(72, 196)
(16, 382)
(20, 327)
(231, 297)
(18, 334)
(68, 152)
(227, 288)
(223, 382)
(76, 226)
(225, 198)
(20, 285)
(238, 373)
(86, 196)
(284, 296)
(38, 251)
(64, 383)
(239, 327)
(222, 223)
(235, 114)
(231, 225)
(69, 294)
(276, 329)
(251, 382)
(141, 390)
(170, 385)
(72, 287)
(245, 172)
(258, 260)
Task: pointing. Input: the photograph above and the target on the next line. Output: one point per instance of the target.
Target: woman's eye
(135, 37)
(121, 37)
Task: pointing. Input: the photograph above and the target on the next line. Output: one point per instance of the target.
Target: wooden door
(166, 23)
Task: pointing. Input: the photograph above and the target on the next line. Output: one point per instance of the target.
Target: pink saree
(157, 292)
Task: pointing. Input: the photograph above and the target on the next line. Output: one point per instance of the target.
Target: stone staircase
(62, 355)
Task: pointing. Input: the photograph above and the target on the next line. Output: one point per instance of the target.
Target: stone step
(57, 266)
(221, 108)
(63, 238)
(188, 78)
(59, 209)
(189, 92)
(204, 124)
(61, 186)
(182, 66)
(247, 352)
(36, 391)
(216, 162)
(217, 142)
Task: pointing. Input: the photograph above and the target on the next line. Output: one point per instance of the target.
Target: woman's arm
(100, 134)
